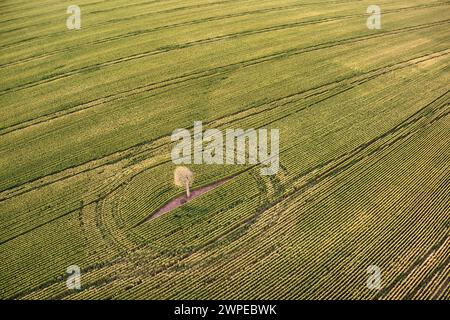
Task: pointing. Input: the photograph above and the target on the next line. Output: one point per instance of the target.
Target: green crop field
(364, 149)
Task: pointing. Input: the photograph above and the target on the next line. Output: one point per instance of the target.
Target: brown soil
(181, 200)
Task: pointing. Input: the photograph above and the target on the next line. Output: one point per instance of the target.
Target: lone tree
(183, 177)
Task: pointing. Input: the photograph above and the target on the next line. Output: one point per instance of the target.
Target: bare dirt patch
(181, 200)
